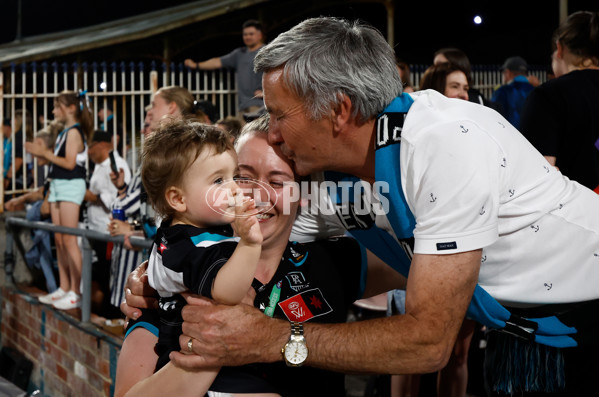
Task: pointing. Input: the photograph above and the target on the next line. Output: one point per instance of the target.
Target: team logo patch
(306, 305)
(297, 258)
(296, 280)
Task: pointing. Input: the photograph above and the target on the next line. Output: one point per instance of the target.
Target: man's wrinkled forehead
(275, 88)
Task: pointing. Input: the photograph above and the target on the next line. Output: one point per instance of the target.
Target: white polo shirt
(473, 181)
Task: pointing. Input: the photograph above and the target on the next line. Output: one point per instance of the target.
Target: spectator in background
(459, 58)
(174, 101)
(67, 189)
(561, 116)
(208, 109)
(99, 198)
(7, 145)
(39, 254)
(446, 78)
(241, 60)
(24, 125)
(230, 124)
(404, 75)
(107, 123)
(509, 98)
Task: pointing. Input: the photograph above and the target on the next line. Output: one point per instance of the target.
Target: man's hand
(220, 335)
(138, 293)
(118, 180)
(190, 64)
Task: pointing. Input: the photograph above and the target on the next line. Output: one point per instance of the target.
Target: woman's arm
(137, 360)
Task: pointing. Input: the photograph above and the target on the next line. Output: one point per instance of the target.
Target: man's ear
(175, 199)
(342, 115)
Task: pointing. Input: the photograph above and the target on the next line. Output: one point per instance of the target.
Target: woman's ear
(175, 199)
(172, 108)
(560, 50)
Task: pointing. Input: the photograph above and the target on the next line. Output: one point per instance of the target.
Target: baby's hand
(246, 224)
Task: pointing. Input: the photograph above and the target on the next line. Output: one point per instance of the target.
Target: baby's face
(208, 188)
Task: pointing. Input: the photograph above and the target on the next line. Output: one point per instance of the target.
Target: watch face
(296, 352)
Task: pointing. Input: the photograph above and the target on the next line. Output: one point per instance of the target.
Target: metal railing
(13, 223)
(126, 88)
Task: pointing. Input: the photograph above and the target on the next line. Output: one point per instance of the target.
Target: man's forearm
(393, 345)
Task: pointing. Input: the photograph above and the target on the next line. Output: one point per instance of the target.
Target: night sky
(509, 27)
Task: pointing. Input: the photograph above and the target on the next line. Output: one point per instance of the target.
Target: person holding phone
(99, 198)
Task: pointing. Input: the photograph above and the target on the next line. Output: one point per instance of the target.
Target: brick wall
(67, 360)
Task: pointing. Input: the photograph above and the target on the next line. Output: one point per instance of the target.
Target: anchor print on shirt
(483, 259)
(535, 228)
(433, 198)
(512, 192)
(548, 286)
(546, 168)
(501, 124)
(504, 162)
(464, 129)
(482, 211)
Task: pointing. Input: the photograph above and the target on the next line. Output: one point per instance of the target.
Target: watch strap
(297, 329)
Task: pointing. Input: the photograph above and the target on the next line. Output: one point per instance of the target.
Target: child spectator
(99, 198)
(67, 189)
(187, 171)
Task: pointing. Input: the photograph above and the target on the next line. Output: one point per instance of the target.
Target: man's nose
(274, 134)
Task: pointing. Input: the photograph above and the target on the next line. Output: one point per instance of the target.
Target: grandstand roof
(124, 30)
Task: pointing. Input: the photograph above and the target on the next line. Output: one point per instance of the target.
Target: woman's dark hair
(580, 34)
(458, 58)
(435, 77)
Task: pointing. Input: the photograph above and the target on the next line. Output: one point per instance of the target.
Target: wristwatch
(295, 352)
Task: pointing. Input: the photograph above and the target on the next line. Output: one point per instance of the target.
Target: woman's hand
(138, 293)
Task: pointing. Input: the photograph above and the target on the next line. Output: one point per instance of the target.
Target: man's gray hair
(325, 58)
